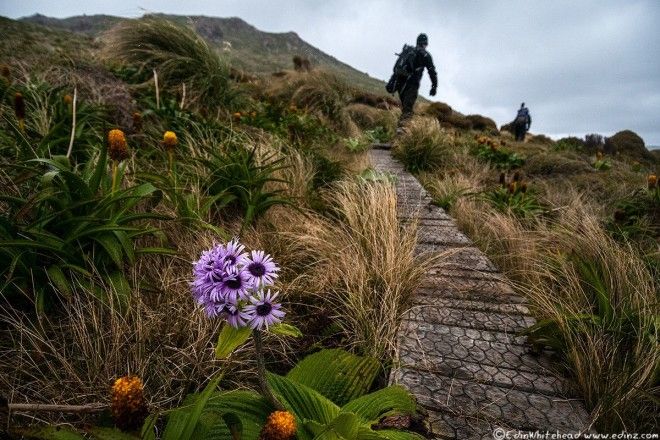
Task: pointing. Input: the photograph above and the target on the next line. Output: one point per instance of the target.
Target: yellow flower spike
(280, 425)
(68, 100)
(237, 116)
(128, 405)
(118, 151)
(652, 181)
(19, 110)
(117, 147)
(169, 140)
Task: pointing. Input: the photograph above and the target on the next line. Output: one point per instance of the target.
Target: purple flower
(236, 284)
(261, 268)
(235, 316)
(232, 253)
(264, 311)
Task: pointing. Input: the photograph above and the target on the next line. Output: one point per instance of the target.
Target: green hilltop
(253, 50)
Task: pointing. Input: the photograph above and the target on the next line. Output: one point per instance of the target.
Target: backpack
(405, 63)
(403, 68)
(523, 116)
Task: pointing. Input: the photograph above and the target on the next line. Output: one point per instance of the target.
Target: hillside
(251, 49)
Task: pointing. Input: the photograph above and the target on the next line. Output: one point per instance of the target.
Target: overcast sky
(581, 66)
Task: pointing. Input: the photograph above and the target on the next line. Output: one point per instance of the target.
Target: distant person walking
(522, 122)
(408, 71)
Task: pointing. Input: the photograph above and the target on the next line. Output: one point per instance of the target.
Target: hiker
(407, 75)
(522, 122)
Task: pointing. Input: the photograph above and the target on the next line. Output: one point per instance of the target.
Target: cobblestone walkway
(458, 350)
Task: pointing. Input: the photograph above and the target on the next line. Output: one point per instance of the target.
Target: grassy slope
(251, 49)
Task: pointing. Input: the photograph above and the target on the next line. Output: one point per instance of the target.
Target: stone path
(458, 349)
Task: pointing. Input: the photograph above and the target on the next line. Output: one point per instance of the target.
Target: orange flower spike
(652, 181)
(19, 110)
(128, 405)
(117, 147)
(170, 140)
(280, 425)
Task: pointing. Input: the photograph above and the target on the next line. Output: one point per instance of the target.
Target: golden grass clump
(424, 145)
(369, 262)
(179, 56)
(613, 357)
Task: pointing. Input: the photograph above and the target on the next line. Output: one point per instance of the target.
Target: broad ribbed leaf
(57, 433)
(390, 434)
(111, 434)
(302, 401)
(338, 375)
(251, 409)
(372, 407)
(182, 422)
(229, 339)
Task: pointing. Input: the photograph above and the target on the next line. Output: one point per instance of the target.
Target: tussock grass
(319, 92)
(613, 359)
(369, 262)
(178, 54)
(423, 146)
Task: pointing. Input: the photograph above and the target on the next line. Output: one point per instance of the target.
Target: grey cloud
(582, 66)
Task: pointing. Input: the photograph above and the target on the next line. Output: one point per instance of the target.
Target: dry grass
(73, 356)
(424, 145)
(613, 362)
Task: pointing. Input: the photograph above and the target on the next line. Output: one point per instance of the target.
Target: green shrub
(514, 198)
(238, 172)
(498, 157)
(570, 143)
(627, 143)
(71, 227)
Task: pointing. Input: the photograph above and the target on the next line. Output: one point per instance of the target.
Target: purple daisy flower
(211, 265)
(261, 268)
(235, 316)
(264, 311)
(236, 285)
(233, 254)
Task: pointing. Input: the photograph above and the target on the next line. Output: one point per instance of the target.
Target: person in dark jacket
(522, 122)
(408, 89)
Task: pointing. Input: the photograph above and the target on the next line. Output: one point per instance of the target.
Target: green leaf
(391, 434)
(57, 277)
(121, 288)
(57, 433)
(234, 425)
(250, 407)
(338, 375)
(110, 434)
(111, 247)
(284, 329)
(391, 400)
(156, 250)
(229, 339)
(182, 422)
(304, 402)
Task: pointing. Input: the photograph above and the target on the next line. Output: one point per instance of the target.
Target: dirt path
(458, 349)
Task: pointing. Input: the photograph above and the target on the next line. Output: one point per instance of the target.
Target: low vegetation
(584, 254)
(188, 250)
